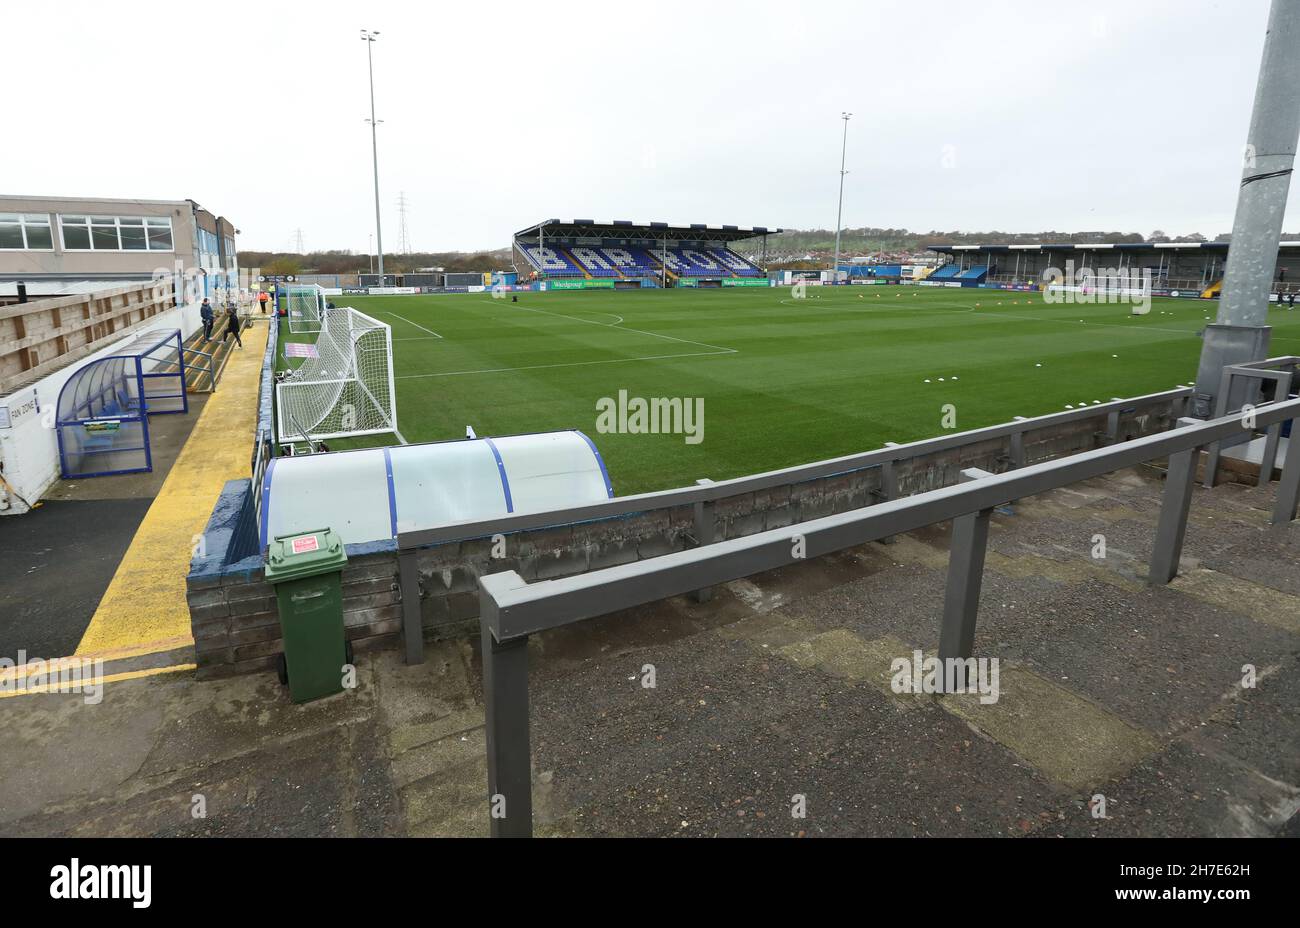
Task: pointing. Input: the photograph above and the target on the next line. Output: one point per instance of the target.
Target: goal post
(347, 389)
(305, 307)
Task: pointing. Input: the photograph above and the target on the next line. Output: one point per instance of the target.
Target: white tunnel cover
(372, 494)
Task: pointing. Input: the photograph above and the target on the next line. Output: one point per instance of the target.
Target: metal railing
(1281, 372)
(510, 609)
(705, 494)
(201, 368)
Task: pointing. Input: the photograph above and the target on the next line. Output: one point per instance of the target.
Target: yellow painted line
(150, 647)
(43, 665)
(96, 681)
(145, 602)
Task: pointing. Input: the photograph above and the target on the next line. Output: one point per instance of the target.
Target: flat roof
(644, 228)
(38, 197)
(1096, 246)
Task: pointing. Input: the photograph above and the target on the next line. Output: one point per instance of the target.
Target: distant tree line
(348, 262)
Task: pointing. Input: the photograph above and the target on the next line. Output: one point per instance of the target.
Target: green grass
(784, 382)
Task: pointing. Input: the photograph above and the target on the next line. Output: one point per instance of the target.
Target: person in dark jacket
(208, 317)
(232, 326)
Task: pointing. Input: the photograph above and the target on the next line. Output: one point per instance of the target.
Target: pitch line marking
(995, 315)
(717, 349)
(535, 367)
(389, 312)
(863, 309)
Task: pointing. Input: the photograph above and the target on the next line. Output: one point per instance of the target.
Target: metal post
(706, 532)
(1269, 461)
(1175, 504)
(408, 574)
(1261, 201)
(369, 36)
(1018, 446)
(1112, 423)
(970, 535)
(505, 709)
(888, 488)
(1018, 458)
(839, 215)
(1288, 490)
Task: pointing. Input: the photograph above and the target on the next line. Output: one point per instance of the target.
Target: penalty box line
(537, 367)
(389, 312)
(716, 349)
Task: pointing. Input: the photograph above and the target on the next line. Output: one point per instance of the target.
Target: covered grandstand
(1177, 268)
(621, 254)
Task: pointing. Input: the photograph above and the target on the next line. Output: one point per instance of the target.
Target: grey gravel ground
(771, 700)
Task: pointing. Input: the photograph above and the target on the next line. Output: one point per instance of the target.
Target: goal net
(347, 389)
(305, 306)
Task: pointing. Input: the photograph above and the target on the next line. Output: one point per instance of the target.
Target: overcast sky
(1020, 115)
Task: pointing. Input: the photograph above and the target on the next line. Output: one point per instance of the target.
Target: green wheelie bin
(306, 569)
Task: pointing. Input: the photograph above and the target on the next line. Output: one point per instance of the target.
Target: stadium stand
(595, 262)
(635, 254)
(976, 273)
(552, 262)
(735, 263)
(947, 272)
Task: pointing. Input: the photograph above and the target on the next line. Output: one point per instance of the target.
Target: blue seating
(694, 262)
(551, 261)
(735, 263)
(947, 272)
(974, 274)
(632, 261)
(593, 261)
(637, 261)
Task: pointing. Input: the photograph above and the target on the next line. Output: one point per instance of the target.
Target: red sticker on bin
(303, 545)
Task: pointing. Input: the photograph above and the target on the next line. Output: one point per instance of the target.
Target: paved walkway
(144, 609)
(778, 688)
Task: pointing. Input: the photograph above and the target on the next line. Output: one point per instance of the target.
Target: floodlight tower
(839, 215)
(369, 36)
(1240, 332)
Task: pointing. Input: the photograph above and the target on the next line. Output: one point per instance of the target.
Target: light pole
(368, 36)
(1240, 331)
(839, 215)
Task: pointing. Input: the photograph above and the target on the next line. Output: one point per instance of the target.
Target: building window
(132, 234)
(115, 233)
(160, 234)
(76, 233)
(103, 233)
(20, 232)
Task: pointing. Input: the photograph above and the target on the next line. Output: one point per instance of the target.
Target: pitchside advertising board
(580, 285)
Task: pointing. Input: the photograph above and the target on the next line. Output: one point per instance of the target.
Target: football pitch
(783, 381)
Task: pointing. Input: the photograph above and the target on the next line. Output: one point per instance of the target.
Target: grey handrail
(204, 369)
(510, 609)
(723, 489)
(520, 608)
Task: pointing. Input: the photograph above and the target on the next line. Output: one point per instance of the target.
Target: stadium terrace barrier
(442, 564)
(512, 609)
(426, 585)
(1282, 373)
